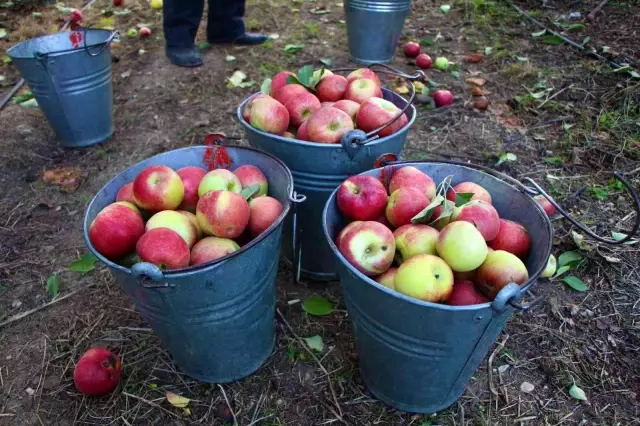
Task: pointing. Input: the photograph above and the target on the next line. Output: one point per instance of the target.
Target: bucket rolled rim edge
(179, 272)
(532, 277)
(61, 52)
(318, 145)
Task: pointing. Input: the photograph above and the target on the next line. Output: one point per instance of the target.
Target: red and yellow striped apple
(482, 215)
(219, 180)
(362, 89)
(387, 278)
(425, 277)
(369, 247)
(211, 248)
(191, 177)
(269, 115)
(499, 269)
(223, 214)
(376, 112)
(116, 229)
(163, 247)
(175, 221)
(249, 174)
(328, 125)
(415, 239)
(263, 211)
(331, 88)
(512, 237)
(404, 203)
(410, 176)
(158, 188)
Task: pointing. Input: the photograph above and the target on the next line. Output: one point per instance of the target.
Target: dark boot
(181, 21)
(225, 24)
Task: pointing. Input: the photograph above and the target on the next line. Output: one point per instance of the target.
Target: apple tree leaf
(577, 393)
(552, 39)
(580, 242)
(561, 270)
(575, 283)
(178, 401)
(448, 207)
(327, 62)
(86, 263)
(316, 305)
(265, 87)
(293, 48)
(315, 343)
(570, 258)
(53, 285)
(250, 191)
(425, 215)
(538, 34)
(463, 198)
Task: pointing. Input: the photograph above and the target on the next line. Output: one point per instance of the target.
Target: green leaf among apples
(250, 191)
(307, 77)
(425, 214)
(265, 87)
(463, 198)
(53, 285)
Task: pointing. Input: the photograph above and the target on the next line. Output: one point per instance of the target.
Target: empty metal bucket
(418, 356)
(317, 170)
(216, 320)
(374, 28)
(69, 74)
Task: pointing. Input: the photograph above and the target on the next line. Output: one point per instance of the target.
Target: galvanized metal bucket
(374, 28)
(418, 356)
(317, 170)
(216, 320)
(69, 74)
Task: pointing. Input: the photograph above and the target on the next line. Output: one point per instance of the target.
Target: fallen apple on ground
(442, 98)
(411, 49)
(423, 61)
(97, 372)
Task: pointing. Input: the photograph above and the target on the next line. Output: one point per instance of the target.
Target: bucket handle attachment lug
(147, 274)
(353, 140)
(297, 233)
(510, 295)
(537, 190)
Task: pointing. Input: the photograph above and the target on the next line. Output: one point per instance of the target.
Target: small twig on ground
(235, 420)
(554, 95)
(7, 415)
(44, 369)
(41, 307)
(591, 16)
(324, 370)
(153, 404)
(490, 364)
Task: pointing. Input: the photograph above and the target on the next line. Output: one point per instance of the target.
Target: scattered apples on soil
(411, 49)
(97, 372)
(423, 61)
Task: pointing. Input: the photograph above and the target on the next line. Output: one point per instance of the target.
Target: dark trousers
(182, 18)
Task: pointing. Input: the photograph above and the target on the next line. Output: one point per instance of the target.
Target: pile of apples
(324, 108)
(182, 206)
(442, 244)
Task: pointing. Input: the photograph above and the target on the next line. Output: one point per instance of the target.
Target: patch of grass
(312, 30)
(269, 69)
(520, 70)
(253, 24)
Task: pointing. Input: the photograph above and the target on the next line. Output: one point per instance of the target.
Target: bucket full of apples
(433, 259)
(325, 126)
(193, 236)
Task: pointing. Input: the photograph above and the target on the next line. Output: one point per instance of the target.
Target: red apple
(301, 107)
(126, 193)
(479, 193)
(175, 221)
(328, 125)
(423, 61)
(115, 230)
(425, 277)
(302, 133)
(194, 220)
(246, 113)
(251, 175)
(332, 88)
(362, 89)
(466, 275)
(279, 81)
(376, 112)
(97, 372)
(410, 176)
(212, 248)
(465, 293)
(513, 238)
(163, 247)
(117, 3)
(387, 278)
(263, 211)
(369, 246)
(75, 16)
(144, 32)
(344, 231)
(217, 180)
(405, 203)
(224, 214)
(414, 239)
(364, 73)
(362, 197)
(442, 97)
(191, 177)
(482, 215)
(411, 49)
(548, 208)
(269, 115)
(350, 107)
(382, 218)
(158, 188)
(326, 104)
(289, 91)
(499, 269)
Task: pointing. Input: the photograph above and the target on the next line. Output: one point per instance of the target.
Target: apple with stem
(328, 125)
(362, 89)
(362, 197)
(376, 112)
(175, 221)
(482, 215)
(219, 179)
(158, 188)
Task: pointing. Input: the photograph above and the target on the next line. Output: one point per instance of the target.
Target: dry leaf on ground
(68, 179)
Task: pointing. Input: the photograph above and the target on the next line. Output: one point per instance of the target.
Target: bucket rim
(370, 281)
(319, 145)
(63, 51)
(181, 272)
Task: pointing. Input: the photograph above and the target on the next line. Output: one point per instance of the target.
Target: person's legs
(225, 23)
(181, 20)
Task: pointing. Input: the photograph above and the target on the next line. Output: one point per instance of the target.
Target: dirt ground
(567, 117)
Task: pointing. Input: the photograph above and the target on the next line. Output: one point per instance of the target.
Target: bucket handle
(353, 140)
(148, 274)
(296, 235)
(42, 56)
(392, 159)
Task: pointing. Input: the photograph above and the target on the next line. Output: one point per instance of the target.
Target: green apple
(219, 180)
(425, 277)
(441, 63)
(132, 33)
(412, 240)
(552, 264)
(462, 246)
(499, 269)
